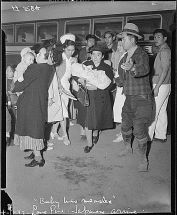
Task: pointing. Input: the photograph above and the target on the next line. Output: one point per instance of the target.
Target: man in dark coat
(84, 53)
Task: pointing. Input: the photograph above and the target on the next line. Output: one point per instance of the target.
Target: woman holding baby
(32, 106)
(98, 115)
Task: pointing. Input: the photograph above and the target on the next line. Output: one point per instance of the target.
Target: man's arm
(165, 64)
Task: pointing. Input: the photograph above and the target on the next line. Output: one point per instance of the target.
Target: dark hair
(76, 52)
(162, 31)
(90, 36)
(56, 57)
(135, 37)
(49, 42)
(68, 43)
(36, 47)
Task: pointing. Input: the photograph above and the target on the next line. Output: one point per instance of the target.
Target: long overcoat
(33, 102)
(99, 114)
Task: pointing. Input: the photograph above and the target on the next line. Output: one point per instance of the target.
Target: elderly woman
(63, 72)
(98, 115)
(32, 107)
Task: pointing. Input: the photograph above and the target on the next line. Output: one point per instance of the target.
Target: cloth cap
(68, 36)
(131, 28)
(25, 50)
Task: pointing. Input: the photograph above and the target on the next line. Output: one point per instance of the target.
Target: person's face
(159, 39)
(41, 56)
(127, 41)
(96, 57)
(29, 59)
(90, 42)
(108, 39)
(69, 51)
(9, 72)
(119, 46)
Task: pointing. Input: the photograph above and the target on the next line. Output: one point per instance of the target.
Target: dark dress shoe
(35, 163)
(87, 149)
(31, 156)
(27, 150)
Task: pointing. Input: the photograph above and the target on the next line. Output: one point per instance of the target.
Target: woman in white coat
(63, 73)
(119, 98)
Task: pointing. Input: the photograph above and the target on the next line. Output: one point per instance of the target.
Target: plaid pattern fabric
(136, 83)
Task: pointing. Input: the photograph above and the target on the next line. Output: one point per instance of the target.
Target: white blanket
(94, 77)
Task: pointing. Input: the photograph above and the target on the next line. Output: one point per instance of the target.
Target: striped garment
(136, 83)
(26, 142)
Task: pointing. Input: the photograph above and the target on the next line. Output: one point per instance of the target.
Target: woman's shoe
(57, 136)
(119, 138)
(49, 148)
(49, 144)
(87, 149)
(31, 156)
(66, 141)
(36, 163)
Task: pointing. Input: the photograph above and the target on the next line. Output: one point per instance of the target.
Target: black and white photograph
(88, 101)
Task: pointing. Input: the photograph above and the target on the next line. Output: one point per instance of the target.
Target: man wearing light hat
(133, 73)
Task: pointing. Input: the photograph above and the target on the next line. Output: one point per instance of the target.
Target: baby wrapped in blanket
(93, 76)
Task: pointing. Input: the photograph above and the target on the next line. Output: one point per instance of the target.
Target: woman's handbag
(82, 96)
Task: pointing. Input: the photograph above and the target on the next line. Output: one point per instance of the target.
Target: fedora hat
(131, 28)
(68, 36)
(98, 48)
(113, 33)
(91, 36)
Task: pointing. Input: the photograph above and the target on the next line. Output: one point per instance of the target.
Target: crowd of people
(122, 87)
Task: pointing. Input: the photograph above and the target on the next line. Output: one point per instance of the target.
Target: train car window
(80, 28)
(24, 33)
(9, 32)
(47, 30)
(146, 24)
(102, 25)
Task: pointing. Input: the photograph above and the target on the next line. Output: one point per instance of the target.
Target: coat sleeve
(141, 65)
(30, 75)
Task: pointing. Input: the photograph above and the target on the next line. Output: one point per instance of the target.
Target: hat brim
(98, 49)
(113, 33)
(129, 32)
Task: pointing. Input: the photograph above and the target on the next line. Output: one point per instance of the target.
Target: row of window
(31, 33)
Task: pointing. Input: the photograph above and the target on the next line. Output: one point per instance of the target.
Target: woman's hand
(91, 86)
(50, 102)
(82, 81)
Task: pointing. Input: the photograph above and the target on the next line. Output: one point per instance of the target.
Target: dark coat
(32, 103)
(83, 55)
(99, 114)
